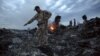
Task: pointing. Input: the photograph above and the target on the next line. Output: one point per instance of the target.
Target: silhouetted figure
(70, 23)
(74, 22)
(84, 17)
(55, 25)
(85, 22)
(42, 17)
(85, 25)
(57, 19)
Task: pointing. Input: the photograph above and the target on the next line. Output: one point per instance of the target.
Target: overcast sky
(15, 13)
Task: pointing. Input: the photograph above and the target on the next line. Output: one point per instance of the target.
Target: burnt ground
(69, 43)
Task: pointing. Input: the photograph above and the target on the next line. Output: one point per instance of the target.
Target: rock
(16, 40)
(46, 50)
(85, 44)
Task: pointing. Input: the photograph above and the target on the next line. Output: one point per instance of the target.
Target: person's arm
(48, 14)
(30, 21)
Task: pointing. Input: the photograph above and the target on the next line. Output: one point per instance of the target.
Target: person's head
(84, 17)
(37, 9)
(57, 19)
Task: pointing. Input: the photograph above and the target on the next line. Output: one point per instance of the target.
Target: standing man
(42, 17)
(85, 25)
(85, 22)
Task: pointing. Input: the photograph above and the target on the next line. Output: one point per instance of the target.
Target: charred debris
(73, 40)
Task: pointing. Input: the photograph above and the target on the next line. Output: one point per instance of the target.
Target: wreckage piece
(46, 50)
(91, 27)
